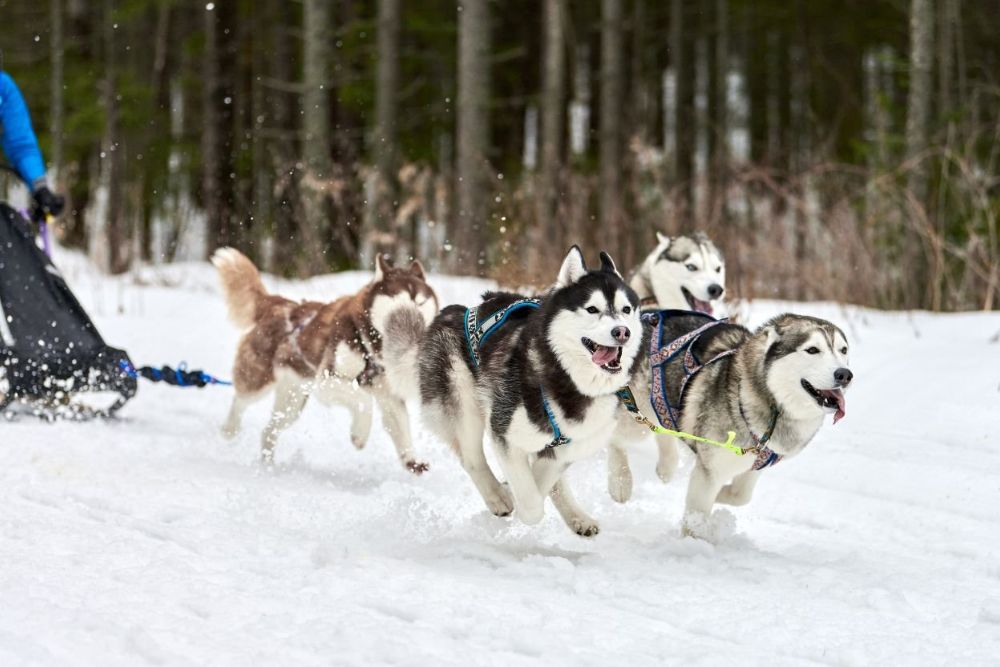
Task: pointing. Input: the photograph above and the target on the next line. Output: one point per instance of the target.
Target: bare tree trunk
(283, 158)
(316, 132)
(217, 186)
(718, 70)
(918, 103)
(105, 238)
(548, 231)
(473, 133)
(56, 95)
(261, 188)
(917, 113)
(384, 238)
(612, 76)
(682, 50)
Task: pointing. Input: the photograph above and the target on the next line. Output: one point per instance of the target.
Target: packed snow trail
(152, 540)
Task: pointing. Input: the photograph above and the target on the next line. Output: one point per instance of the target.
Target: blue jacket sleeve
(18, 139)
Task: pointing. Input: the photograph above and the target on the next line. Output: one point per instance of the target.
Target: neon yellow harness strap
(628, 400)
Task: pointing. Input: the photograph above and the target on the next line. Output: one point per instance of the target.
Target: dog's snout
(843, 376)
(621, 334)
(715, 291)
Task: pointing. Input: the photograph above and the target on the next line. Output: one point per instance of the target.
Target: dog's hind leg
(579, 521)
(740, 490)
(468, 443)
(241, 401)
(619, 473)
(397, 423)
(289, 399)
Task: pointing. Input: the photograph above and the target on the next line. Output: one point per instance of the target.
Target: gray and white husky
(684, 273)
(548, 371)
(773, 390)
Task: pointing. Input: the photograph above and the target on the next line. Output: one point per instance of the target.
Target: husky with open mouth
(681, 273)
(771, 388)
(539, 375)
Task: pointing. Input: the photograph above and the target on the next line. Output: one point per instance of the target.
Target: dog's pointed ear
(608, 264)
(773, 336)
(573, 268)
(382, 264)
(417, 269)
(663, 239)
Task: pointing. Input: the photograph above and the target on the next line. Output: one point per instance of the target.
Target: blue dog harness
(476, 333)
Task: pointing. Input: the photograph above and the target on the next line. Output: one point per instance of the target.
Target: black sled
(50, 351)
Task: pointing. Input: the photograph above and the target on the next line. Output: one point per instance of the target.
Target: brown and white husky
(332, 351)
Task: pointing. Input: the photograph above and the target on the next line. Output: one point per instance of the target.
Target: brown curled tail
(241, 285)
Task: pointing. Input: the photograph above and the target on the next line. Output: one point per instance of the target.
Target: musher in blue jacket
(20, 146)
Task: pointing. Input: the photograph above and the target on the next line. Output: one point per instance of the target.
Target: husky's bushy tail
(404, 331)
(241, 285)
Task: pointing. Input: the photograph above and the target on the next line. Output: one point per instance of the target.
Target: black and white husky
(539, 375)
(681, 273)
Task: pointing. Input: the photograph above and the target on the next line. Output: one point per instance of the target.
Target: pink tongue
(604, 355)
(702, 306)
(838, 395)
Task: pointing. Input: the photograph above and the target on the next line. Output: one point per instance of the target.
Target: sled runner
(50, 351)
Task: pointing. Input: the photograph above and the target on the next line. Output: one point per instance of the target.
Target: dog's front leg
(666, 466)
(334, 390)
(397, 424)
(740, 490)
(702, 492)
(528, 501)
(619, 473)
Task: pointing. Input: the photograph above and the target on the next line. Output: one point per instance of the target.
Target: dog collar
(766, 457)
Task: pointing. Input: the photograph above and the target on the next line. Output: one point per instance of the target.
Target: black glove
(48, 202)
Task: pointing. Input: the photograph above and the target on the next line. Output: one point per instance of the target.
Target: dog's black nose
(621, 334)
(843, 376)
(715, 291)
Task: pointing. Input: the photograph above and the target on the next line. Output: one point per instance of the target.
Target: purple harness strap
(659, 356)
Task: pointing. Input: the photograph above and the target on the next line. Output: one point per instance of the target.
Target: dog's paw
(359, 442)
(736, 498)
(229, 431)
(620, 485)
(417, 467)
(531, 513)
(665, 470)
(584, 526)
(501, 504)
(713, 528)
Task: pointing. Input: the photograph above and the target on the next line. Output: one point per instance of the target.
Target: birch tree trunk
(384, 238)
(316, 132)
(473, 133)
(612, 76)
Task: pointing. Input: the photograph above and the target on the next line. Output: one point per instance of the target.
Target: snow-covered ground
(151, 540)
